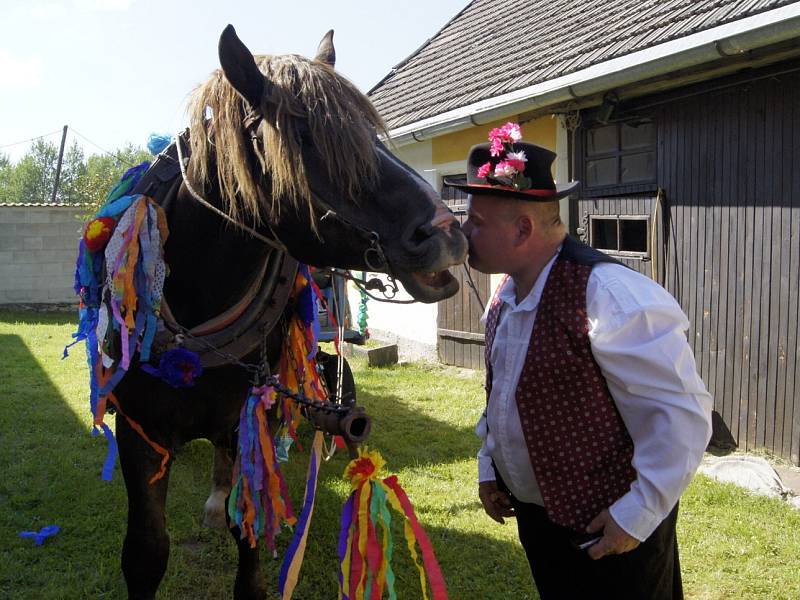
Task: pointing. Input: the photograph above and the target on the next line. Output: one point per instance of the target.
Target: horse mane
(341, 120)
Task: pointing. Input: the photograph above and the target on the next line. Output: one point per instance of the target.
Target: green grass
(733, 545)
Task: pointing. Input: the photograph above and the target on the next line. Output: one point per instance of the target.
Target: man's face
(490, 233)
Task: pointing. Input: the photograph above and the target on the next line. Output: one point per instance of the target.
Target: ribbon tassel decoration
(365, 557)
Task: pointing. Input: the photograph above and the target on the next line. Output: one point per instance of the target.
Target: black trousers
(649, 572)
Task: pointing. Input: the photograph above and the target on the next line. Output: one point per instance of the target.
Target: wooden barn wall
(729, 165)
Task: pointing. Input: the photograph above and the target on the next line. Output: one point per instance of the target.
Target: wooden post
(58, 164)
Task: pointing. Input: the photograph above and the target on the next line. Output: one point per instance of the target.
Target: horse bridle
(251, 122)
(374, 255)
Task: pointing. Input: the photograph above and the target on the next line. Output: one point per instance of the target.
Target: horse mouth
(431, 286)
(435, 280)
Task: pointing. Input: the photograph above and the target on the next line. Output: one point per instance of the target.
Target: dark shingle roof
(497, 46)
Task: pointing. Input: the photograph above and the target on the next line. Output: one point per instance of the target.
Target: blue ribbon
(40, 536)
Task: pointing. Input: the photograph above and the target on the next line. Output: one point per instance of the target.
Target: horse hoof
(214, 511)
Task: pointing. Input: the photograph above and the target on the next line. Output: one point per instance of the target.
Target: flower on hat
(510, 168)
(505, 169)
(508, 133)
(497, 145)
(484, 169)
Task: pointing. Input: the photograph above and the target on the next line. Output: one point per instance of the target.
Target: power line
(83, 137)
(38, 137)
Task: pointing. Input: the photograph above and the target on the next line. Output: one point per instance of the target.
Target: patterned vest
(579, 448)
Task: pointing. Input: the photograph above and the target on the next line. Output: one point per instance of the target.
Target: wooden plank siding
(729, 164)
(460, 333)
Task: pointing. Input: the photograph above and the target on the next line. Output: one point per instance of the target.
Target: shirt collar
(508, 293)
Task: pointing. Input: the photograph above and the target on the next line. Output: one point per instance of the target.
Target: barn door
(459, 331)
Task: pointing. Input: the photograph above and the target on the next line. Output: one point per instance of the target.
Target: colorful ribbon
(130, 296)
(259, 501)
(365, 560)
(293, 561)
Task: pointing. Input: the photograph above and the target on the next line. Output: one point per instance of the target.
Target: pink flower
(508, 133)
(512, 132)
(517, 160)
(496, 147)
(497, 134)
(506, 169)
(519, 165)
(484, 169)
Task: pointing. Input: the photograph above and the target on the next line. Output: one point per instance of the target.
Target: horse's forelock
(341, 120)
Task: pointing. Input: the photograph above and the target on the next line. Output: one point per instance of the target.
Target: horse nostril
(425, 231)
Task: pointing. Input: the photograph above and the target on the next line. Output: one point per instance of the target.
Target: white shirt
(637, 336)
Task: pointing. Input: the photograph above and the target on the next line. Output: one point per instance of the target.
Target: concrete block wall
(38, 247)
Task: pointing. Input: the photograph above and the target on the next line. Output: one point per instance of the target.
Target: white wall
(411, 326)
(562, 166)
(38, 247)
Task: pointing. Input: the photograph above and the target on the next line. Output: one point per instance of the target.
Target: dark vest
(580, 450)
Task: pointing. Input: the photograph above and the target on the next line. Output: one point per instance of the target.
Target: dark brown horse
(287, 149)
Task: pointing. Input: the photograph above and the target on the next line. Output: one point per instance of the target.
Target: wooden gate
(459, 330)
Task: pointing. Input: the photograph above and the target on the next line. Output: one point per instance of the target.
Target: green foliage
(6, 171)
(73, 175)
(103, 171)
(33, 176)
(733, 545)
(82, 180)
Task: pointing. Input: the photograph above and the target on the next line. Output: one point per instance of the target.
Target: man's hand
(497, 504)
(614, 540)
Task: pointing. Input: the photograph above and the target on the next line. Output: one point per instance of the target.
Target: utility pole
(58, 165)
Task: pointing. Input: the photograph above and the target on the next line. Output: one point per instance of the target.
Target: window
(620, 154)
(624, 235)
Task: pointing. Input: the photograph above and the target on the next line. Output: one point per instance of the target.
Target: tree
(73, 174)
(82, 180)
(6, 172)
(103, 172)
(34, 175)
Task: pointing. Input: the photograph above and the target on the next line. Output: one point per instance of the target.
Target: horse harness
(242, 328)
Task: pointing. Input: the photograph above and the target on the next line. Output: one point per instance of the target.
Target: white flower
(503, 169)
(517, 156)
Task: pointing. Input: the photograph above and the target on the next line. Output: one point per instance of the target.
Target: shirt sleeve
(637, 335)
(485, 469)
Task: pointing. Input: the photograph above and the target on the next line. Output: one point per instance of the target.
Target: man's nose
(466, 227)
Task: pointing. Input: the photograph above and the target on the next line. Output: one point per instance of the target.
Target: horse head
(298, 154)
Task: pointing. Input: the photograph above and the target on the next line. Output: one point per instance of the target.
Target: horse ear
(240, 67)
(326, 53)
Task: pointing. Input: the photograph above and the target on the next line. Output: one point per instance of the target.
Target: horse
(282, 162)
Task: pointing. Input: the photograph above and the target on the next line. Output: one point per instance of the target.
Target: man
(596, 418)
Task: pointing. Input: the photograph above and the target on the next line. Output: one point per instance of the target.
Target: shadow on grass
(416, 439)
(50, 475)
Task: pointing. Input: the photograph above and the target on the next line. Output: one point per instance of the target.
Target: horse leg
(250, 584)
(214, 511)
(145, 550)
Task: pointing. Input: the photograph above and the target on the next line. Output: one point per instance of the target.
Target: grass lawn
(733, 545)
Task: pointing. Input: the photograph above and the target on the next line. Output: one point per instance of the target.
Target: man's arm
(638, 341)
(495, 502)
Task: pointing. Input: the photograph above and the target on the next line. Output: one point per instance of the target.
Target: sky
(116, 71)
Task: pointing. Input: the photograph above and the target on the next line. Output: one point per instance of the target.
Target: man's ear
(525, 229)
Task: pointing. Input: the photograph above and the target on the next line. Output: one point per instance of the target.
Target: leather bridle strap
(275, 243)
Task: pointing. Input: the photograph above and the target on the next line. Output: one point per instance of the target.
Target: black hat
(533, 183)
